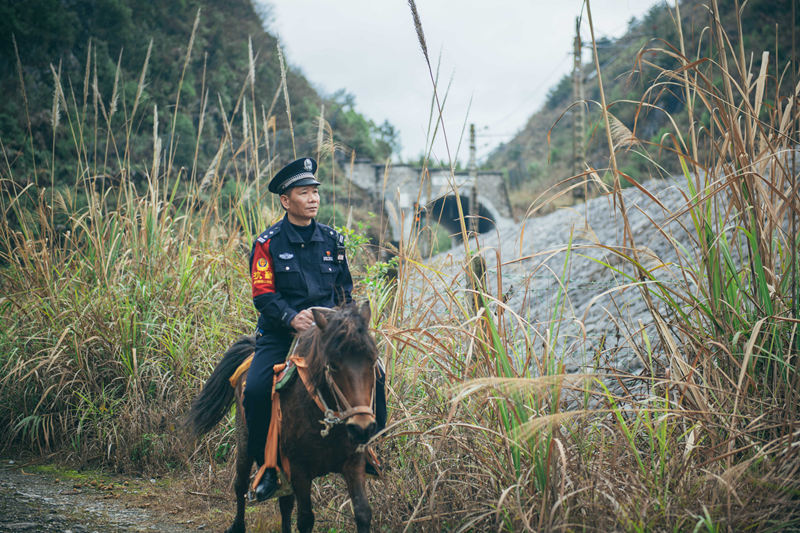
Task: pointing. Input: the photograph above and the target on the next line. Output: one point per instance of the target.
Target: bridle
(344, 410)
(340, 416)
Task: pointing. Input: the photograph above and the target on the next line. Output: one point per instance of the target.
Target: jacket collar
(294, 237)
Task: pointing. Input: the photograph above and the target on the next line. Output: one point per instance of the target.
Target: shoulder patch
(268, 234)
(331, 233)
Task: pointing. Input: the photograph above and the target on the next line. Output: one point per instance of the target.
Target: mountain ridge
(540, 154)
(85, 41)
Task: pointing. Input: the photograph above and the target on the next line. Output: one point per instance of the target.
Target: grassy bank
(119, 297)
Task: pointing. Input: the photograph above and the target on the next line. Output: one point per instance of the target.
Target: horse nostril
(371, 428)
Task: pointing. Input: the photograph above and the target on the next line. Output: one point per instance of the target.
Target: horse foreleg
(301, 484)
(243, 464)
(354, 476)
(286, 504)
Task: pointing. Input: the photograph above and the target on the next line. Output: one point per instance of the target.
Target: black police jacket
(289, 275)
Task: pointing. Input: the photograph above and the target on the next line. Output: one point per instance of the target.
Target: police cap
(295, 174)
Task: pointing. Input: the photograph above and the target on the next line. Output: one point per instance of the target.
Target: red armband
(261, 271)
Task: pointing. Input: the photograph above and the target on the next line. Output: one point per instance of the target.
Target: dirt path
(34, 500)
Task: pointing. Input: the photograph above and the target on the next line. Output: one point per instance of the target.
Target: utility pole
(473, 176)
(476, 265)
(579, 113)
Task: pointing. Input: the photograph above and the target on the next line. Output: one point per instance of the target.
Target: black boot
(268, 485)
(372, 465)
(370, 469)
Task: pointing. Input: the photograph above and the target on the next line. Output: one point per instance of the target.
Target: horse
(341, 357)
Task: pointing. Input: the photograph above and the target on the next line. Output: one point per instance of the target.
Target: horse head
(344, 362)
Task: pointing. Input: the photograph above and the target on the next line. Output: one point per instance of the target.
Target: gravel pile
(597, 305)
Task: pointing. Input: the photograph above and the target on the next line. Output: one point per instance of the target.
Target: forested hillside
(643, 100)
(82, 42)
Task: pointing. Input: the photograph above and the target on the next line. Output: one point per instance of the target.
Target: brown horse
(341, 356)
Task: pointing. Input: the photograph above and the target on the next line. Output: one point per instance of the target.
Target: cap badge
(308, 165)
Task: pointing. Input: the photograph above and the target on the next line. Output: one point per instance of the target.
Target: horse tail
(216, 397)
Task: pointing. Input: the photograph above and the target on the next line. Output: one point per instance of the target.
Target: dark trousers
(272, 349)
(380, 399)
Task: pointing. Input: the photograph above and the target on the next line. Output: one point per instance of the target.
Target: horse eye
(333, 367)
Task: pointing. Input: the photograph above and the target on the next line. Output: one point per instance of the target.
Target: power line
(534, 92)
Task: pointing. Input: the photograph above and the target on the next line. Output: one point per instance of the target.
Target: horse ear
(321, 316)
(365, 311)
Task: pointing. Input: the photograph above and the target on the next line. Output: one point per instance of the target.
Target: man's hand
(303, 320)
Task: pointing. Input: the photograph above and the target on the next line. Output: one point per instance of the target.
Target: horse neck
(310, 348)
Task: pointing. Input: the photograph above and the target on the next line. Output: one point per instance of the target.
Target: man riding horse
(296, 264)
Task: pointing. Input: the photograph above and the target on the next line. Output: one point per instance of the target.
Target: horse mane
(346, 335)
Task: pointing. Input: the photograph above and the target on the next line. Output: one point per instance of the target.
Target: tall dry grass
(119, 291)
(493, 435)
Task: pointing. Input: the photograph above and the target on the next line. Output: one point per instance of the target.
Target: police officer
(296, 264)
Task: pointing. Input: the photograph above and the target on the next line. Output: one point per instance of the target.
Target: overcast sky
(502, 55)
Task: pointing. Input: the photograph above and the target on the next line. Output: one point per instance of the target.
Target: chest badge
(327, 256)
(286, 256)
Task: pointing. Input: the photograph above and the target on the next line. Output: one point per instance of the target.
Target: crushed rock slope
(600, 304)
